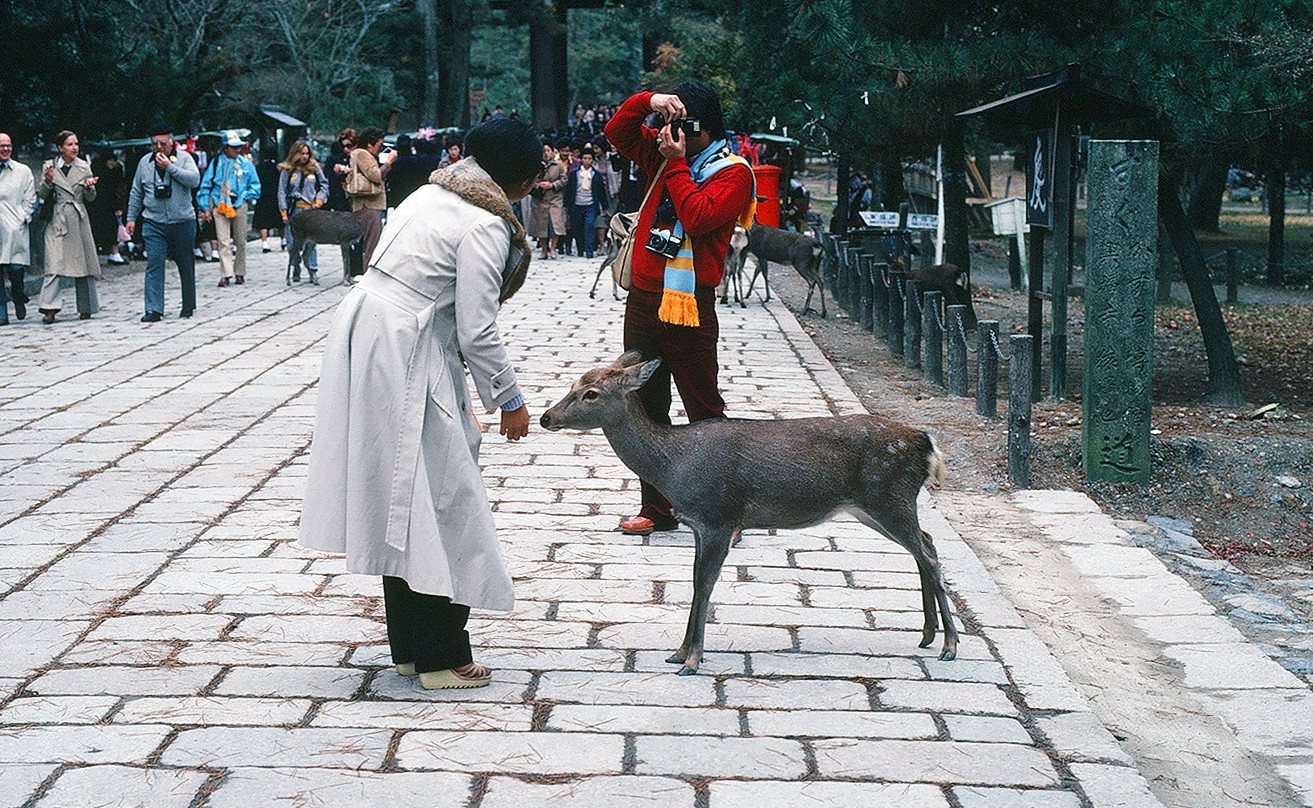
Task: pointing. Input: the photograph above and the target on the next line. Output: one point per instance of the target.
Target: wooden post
(957, 350)
(839, 222)
(912, 325)
(1035, 314)
(879, 298)
(830, 266)
(1064, 209)
(1015, 247)
(896, 312)
(865, 290)
(1019, 372)
(932, 332)
(840, 288)
(987, 368)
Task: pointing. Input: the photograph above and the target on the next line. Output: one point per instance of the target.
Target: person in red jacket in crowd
(701, 190)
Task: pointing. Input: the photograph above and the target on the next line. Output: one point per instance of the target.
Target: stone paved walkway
(163, 642)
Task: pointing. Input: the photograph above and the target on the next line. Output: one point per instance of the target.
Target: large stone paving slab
(164, 642)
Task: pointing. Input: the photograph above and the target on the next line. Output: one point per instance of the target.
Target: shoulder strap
(661, 169)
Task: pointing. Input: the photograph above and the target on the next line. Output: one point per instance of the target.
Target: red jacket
(708, 212)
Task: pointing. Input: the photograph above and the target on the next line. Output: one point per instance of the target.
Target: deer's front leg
(709, 550)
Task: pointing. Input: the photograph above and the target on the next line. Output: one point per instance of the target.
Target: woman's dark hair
(369, 137)
(63, 137)
(701, 102)
(507, 149)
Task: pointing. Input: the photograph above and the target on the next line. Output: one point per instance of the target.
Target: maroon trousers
(371, 226)
(690, 360)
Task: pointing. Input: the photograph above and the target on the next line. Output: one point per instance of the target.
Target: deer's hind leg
(906, 532)
(710, 546)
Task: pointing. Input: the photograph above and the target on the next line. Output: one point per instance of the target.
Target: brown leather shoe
(47, 317)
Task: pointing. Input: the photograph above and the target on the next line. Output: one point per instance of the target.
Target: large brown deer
(727, 474)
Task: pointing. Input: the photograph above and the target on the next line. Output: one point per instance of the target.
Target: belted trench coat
(70, 247)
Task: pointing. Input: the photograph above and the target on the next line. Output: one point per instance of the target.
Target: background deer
(727, 474)
(799, 250)
(733, 277)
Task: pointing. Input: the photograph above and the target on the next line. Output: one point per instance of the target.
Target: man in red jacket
(701, 190)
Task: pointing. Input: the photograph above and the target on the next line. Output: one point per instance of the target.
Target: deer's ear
(628, 359)
(636, 377)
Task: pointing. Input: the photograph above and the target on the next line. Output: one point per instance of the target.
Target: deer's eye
(590, 395)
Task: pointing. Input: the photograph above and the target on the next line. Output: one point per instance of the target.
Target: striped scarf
(678, 304)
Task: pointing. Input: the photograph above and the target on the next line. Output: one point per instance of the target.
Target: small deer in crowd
(323, 226)
(733, 276)
(799, 250)
(725, 475)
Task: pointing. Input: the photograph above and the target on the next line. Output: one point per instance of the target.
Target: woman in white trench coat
(394, 480)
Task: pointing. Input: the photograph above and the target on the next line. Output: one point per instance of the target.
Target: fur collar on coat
(467, 179)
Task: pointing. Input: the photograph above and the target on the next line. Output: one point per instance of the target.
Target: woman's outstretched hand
(515, 423)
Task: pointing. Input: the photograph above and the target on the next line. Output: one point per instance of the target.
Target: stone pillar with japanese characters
(1121, 259)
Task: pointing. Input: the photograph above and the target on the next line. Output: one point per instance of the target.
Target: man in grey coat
(161, 195)
(17, 200)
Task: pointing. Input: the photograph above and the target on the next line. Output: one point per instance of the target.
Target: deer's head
(598, 398)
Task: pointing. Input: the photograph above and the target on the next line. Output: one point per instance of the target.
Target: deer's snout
(546, 422)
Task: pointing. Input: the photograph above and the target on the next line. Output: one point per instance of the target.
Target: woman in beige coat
(70, 247)
(547, 216)
(394, 480)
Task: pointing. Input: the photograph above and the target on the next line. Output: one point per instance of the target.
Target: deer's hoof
(687, 671)
(947, 656)
(675, 659)
(926, 640)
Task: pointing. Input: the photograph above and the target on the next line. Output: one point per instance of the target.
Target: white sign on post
(887, 219)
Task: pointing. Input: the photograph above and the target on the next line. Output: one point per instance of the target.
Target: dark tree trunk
(957, 249)
(543, 33)
(891, 181)
(429, 107)
(8, 94)
(456, 89)
(839, 222)
(651, 44)
(1276, 228)
(1206, 195)
(1223, 371)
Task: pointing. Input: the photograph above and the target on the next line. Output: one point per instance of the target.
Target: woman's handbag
(625, 226)
(357, 184)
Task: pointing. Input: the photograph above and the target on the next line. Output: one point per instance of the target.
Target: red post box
(768, 194)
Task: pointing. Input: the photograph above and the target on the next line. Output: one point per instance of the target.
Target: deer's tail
(936, 469)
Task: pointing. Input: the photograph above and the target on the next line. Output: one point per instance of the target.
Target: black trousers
(428, 630)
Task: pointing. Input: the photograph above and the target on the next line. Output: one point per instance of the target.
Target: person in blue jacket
(585, 196)
(229, 182)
